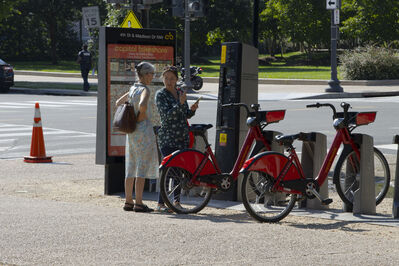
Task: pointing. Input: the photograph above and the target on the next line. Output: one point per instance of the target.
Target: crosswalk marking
(47, 104)
(15, 141)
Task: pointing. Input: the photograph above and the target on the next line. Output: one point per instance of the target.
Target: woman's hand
(194, 106)
(183, 97)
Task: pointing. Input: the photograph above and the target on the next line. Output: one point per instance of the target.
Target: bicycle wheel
(261, 204)
(179, 194)
(346, 174)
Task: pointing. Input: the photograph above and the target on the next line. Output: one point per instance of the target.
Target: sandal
(128, 207)
(163, 208)
(142, 208)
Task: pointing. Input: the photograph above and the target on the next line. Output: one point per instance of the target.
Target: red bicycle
(188, 177)
(272, 181)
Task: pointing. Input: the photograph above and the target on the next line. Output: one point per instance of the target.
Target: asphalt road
(70, 122)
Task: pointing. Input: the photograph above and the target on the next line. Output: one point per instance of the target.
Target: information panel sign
(121, 49)
(121, 61)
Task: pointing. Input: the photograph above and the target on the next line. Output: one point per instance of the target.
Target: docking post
(313, 152)
(364, 196)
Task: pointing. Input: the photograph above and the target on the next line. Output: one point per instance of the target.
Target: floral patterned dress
(141, 150)
(174, 129)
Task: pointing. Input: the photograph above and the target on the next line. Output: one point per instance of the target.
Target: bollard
(364, 196)
(314, 151)
(395, 206)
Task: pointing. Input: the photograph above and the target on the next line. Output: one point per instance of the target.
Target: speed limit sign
(91, 17)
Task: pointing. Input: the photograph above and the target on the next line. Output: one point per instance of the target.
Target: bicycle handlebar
(318, 105)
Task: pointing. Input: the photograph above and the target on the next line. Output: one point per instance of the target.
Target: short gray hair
(144, 68)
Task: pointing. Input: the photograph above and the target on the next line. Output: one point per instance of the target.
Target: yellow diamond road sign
(131, 21)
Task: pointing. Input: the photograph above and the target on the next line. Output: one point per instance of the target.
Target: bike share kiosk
(238, 82)
(120, 49)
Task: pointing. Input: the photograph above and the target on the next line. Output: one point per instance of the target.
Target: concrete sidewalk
(56, 214)
(268, 89)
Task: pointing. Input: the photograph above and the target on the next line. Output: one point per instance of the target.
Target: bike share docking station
(238, 83)
(314, 150)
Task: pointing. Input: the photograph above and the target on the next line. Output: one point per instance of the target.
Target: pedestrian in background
(84, 59)
(174, 112)
(141, 151)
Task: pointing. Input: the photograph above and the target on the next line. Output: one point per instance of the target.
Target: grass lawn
(289, 67)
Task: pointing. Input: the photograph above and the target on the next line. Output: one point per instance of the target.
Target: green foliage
(42, 30)
(370, 63)
(370, 20)
(8, 8)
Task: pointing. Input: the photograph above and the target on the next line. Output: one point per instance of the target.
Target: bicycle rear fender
(271, 163)
(188, 159)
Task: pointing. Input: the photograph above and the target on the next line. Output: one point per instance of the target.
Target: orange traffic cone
(37, 149)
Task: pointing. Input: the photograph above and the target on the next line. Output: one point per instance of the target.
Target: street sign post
(91, 17)
(336, 16)
(333, 83)
(332, 4)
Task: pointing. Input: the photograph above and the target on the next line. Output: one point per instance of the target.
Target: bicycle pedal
(326, 201)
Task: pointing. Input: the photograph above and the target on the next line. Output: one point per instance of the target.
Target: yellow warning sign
(131, 21)
(223, 56)
(222, 139)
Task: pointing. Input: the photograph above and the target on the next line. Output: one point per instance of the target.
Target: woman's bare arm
(122, 99)
(145, 96)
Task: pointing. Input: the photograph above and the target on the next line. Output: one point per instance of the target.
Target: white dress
(141, 150)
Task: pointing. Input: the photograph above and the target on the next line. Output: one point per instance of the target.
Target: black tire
(345, 176)
(192, 199)
(197, 83)
(4, 89)
(261, 204)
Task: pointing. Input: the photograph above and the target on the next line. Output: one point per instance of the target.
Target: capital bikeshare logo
(169, 36)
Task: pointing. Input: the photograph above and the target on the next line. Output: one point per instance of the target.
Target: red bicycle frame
(199, 164)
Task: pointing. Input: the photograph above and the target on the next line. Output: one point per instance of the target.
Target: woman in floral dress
(174, 111)
(141, 150)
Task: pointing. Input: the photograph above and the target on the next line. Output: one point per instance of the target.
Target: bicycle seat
(289, 139)
(199, 128)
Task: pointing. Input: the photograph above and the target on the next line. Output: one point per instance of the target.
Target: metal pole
(255, 23)
(187, 45)
(334, 82)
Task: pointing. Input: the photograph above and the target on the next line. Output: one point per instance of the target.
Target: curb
(59, 92)
(261, 80)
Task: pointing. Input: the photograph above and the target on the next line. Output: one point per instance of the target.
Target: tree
(305, 21)
(8, 8)
(370, 21)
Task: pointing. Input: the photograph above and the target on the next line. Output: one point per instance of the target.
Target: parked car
(6, 76)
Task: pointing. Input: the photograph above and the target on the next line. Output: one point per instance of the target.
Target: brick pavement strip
(57, 214)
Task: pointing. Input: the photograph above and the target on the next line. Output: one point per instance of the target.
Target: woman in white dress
(141, 157)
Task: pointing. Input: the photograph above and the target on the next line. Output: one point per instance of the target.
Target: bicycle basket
(272, 116)
(359, 118)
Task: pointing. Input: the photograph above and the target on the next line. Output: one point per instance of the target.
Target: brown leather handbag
(125, 119)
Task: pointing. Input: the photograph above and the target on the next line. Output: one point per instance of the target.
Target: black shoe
(128, 207)
(142, 208)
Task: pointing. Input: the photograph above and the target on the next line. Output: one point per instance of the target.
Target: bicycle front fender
(188, 159)
(271, 163)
